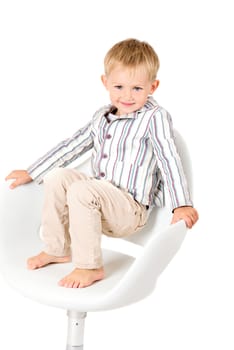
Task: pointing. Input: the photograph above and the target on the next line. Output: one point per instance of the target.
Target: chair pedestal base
(75, 334)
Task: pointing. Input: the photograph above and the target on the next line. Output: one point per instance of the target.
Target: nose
(127, 94)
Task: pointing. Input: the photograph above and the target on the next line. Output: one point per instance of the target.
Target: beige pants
(78, 209)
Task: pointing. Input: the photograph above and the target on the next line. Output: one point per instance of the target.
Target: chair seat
(42, 284)
(20, 239)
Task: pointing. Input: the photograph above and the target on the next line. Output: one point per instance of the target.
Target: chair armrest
(20, 215)
(142, 276)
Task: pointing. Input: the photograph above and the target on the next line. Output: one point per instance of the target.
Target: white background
(50, 65)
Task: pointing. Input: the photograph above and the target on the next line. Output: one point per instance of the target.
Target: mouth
(127, 104)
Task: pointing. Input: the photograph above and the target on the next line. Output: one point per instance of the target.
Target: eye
(137, 88)
(118, 87)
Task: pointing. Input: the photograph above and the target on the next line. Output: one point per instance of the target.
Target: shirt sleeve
(63, 154)
(169, 162)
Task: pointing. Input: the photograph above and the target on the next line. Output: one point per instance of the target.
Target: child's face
(129, 88)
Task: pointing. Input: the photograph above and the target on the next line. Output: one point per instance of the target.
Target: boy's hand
(188, 214)
(21, 177)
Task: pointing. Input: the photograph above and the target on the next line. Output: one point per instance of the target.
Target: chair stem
(75, 333)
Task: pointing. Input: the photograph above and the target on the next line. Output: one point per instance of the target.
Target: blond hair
(132, 53)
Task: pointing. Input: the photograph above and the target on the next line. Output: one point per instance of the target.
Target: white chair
(141, 257)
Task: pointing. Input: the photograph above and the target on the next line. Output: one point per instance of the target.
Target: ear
(154, 86)
(104, 80)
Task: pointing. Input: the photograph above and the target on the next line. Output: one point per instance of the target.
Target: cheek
(114, 94)
(113, 98)
(142, 98)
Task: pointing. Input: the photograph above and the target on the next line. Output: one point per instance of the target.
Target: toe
(31, 264)
(76, 284)
(62, 282)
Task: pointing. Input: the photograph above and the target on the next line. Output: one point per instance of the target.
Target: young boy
(133, 158)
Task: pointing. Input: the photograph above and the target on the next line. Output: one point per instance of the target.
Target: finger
(194, 218)
(10, 176)
(188, 221)
(191, 221)
(14, 184)
(195, 215)
(174, 220)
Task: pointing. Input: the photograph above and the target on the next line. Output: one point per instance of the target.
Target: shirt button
(108, 136)
(102, 174)
(104, 155)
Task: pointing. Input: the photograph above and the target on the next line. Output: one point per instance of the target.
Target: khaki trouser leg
(91, 207)
(55, 223)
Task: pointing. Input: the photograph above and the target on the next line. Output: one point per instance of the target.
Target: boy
(133, 157)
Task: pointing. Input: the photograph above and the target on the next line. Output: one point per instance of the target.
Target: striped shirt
(135, 152)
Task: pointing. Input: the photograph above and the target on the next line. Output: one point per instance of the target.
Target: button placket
(104, 154)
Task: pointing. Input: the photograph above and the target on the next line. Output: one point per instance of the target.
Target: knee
(55, 175)
(60, 179)
(82, 192)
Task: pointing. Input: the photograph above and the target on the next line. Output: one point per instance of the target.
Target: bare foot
(80, 278)
(44, 259)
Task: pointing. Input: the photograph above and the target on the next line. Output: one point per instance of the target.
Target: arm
(171, 168)
(60, 156)
(63, 154)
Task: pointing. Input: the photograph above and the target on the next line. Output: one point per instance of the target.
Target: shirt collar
(150, 104)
